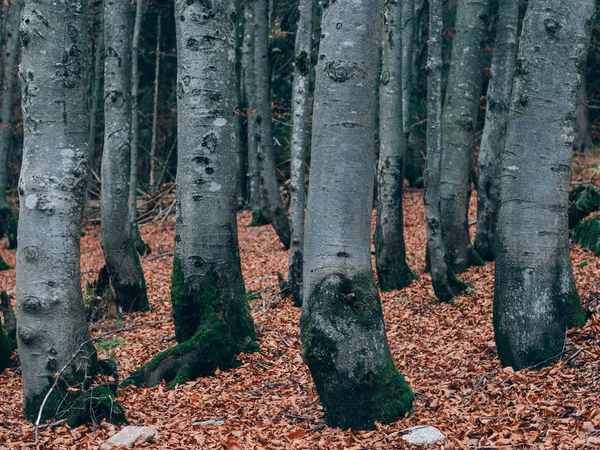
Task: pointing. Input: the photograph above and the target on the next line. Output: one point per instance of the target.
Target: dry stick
(479, 383)
(152, 258)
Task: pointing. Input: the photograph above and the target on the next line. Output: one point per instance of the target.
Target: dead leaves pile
(446, 352)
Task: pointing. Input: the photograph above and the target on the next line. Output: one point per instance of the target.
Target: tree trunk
(492, 141)
(212, 318)
(270, 199)
(535, 298)
(96, 88)
(583, 134)
(459, 120)
(300, 138)
(140, 245)
(241, 149)
(122, 261)
(153, 167)
(342, 328)
(390, 252)
(445, 284)
(10, 61)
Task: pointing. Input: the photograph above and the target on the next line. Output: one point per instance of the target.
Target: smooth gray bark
(153, 166)
(496, 116)
(343, 336)
(406, 15)
(390, 251)
(94, 101)
(270, 199)
(50, 315)
(459, 120)
(122, 261)
(241, 149)
(300, 136)
(535, 298)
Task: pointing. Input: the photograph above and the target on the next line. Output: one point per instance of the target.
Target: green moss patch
(582, 202)
(587, 234)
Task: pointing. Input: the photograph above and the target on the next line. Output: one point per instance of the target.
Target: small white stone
(129, 436)
(216, 423)
(424, 435)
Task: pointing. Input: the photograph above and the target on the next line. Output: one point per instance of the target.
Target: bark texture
(127, 282)
(390, 251)
(270, 199)
(241, 149)
(445, 283)
(154, 174)
(212, 318)
(459, 120)
(535, 298)
(496, 116)
(342, 329)
(96, 94)
(300, 138)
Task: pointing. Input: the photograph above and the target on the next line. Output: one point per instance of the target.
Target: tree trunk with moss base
(10, 59)
(494, 131)
(124, 269)
(342, 330)
(212, 318)
(445, 284)
(459, 120)
(536, 299)
(52, 331)
(390, 251)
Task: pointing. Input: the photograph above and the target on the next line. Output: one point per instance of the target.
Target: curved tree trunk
(300, 136)
(212, 318)
(270, 199)
(390, 251)
(492, 141)
(10, 61)
(459, 120)
(342, 329)
(535, 298)
(445, 283)
(122, 261)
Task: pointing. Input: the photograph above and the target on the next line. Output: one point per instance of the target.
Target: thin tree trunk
(122, 261)
(10, 61)
(300, 136)
(241, 149)
(153, 166)
(583, 135)
(445, 284)
(94, 102)
(496, 116)
(212, 318)
(270, 199)
(343, 335)
(459, 120)
(390, 251)
(535, 298)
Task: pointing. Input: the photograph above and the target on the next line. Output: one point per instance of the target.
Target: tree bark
(212, 318)
(122, 261)
(153, 167)
(241, 149)
(459, 120)
(270, 199)
(96, 88)
(535, 298)
(300, 138)
(390, 251)
(445, 284)
(342, 328)
(583, 135)
(496, 116)
(10, 61)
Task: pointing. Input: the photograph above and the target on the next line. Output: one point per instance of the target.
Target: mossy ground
(582, 202)
(587, 234)
(3, 265)
(259, 219)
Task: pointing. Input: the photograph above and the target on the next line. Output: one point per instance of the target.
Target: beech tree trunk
(583, 135)
(212, 318)
(122, 261)
(390, 251)
(241, 149)
(10, 60)
(154, 175)
(459, 120)
(535, 298)
(342, 328)
(270, 199)
(96, 93)
(492, 141)
(445, 284)
(300, 137)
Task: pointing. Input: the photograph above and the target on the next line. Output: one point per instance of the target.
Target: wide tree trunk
(300, 138)
(343, 336)
(128, 287)
(459, 120)
(496, 116)
(270, 199)
(10, 60)
(445, 284)
(535, 298)
(390, 251)
(212, 318)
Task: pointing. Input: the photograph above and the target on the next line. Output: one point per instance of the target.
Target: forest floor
(445, 351)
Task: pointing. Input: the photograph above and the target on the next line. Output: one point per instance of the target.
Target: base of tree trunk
(8, 226)
(587, 234)
(399, 278)
(448, 286)
(483, 247)
(345, 346)
(139, 244)
(259, 219)
(582, 202)
(295, 277)
(414, 169)
(7, 346)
